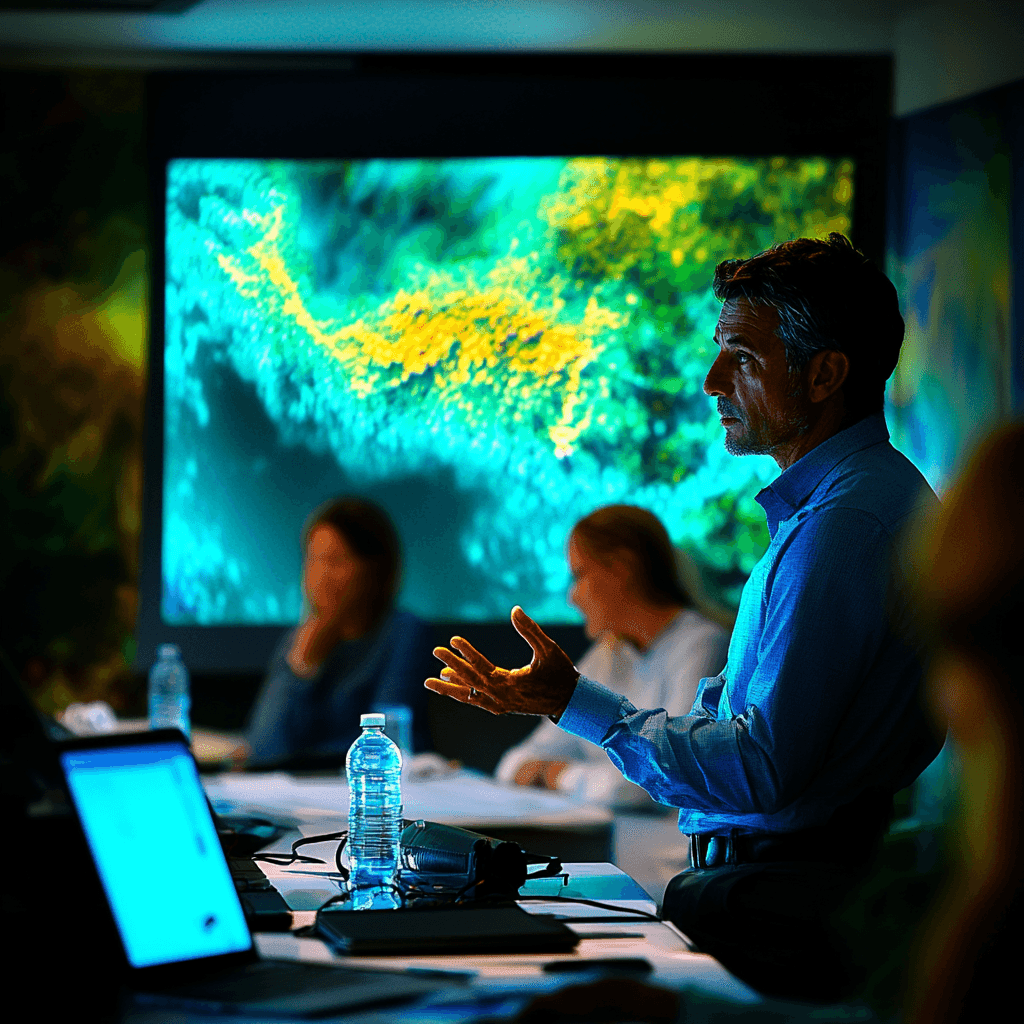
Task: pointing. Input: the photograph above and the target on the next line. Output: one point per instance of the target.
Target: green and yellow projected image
(489, 348)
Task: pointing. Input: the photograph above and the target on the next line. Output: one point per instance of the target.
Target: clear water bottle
(374, 769)
(169, 698)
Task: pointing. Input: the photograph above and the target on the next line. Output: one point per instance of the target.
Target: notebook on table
(181, 926)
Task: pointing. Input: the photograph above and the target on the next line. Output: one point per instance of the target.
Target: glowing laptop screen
(157, 852)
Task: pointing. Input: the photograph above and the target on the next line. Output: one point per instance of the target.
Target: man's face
(762, 405)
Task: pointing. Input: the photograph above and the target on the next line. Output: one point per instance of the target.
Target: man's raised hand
(541, 688)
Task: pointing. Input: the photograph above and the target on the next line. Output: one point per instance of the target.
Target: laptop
(182, 929)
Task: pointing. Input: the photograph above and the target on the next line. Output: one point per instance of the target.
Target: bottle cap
(168, 651)
(366, 721)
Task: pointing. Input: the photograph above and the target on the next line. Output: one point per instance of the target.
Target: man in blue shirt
(785, 768)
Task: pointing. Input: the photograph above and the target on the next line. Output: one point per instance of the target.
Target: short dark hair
(368, 530)
(828, 295)
(617, 528)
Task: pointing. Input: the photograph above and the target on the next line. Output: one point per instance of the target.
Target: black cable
(552, 867)
(283, 859)
(334, 899)
(590, 903)
(342, 870)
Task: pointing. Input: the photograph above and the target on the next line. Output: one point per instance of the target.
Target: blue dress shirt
(820, 696)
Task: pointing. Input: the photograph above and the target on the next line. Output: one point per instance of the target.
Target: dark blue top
(820, 697)
(312, 722)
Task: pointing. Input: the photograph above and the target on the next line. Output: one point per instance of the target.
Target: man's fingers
(456, 665)
(463, 680)
(443, 654)
(464, 694)
(449, 689)
(457, 675)
(530, 631)
(471, 654)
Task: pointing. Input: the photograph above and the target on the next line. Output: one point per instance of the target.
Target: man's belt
(710, 850)
(849, 838)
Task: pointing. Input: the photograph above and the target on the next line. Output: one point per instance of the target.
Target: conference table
(533, 818)
(498, 984)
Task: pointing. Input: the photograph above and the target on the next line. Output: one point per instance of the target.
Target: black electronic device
(466, 928)
(444, 858)
(243, 834)
(240, 836)
(264, 907)
(635, 965)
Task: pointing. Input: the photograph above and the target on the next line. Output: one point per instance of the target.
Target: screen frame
(161, 974)
(364, 106)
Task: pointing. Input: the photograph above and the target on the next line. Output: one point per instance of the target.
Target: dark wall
(73, 297)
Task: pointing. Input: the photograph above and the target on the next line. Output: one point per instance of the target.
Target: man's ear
(826, 373)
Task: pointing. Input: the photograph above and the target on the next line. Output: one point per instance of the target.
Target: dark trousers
(770, 924)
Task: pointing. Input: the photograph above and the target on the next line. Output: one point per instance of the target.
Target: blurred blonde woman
(651, 644)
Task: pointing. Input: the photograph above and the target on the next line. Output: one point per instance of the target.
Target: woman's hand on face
(314, 640)
(542, 774)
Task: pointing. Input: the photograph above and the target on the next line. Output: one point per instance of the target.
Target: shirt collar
(790, 491)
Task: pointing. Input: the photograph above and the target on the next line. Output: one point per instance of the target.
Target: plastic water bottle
(169, 698)
(374, 769)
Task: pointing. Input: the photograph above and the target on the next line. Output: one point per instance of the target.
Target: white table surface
(464, 798)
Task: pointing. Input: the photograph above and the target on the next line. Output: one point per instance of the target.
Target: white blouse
(665, 676)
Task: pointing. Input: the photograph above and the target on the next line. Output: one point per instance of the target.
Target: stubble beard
(766, 437)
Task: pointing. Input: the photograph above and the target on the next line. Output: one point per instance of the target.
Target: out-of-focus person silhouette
(353, 651)
(971, 569)
(652, 644)
(962, 960)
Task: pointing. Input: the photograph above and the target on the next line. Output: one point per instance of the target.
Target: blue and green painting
(488, 348)
(951, 257)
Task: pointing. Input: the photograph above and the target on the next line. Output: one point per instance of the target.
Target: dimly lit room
(512, 509)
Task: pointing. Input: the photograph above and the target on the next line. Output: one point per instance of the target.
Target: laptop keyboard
(268, 979)
(295, 989)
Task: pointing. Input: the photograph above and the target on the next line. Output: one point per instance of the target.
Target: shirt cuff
(592, 710)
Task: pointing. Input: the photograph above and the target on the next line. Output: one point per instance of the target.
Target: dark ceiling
(108, 6)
